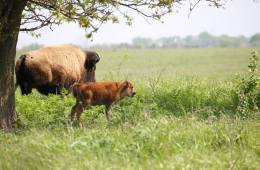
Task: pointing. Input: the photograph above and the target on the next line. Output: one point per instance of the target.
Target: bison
(49, 69)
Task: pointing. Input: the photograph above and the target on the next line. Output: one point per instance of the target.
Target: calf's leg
(79, 120)
(76, 111)
(108, 112)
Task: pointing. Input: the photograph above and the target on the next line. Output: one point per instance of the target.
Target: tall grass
(153, 143)
(184, 124)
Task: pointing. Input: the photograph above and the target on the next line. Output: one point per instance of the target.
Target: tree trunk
(10, 19)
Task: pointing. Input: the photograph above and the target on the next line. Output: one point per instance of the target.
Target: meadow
(184, 116)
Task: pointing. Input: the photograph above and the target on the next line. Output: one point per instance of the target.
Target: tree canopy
(91, 14)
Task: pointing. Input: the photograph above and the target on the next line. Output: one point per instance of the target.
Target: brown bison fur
(102, 93)
(51, 68)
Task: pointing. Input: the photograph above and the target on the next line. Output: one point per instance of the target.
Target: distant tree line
(202, 40)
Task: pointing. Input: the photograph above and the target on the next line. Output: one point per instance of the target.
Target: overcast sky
(240, 17)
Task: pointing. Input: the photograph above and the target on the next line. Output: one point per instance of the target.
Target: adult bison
(49, 69)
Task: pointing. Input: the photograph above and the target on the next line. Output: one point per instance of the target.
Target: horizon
(132, 43)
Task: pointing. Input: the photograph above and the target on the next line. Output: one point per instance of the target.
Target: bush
(248, 89)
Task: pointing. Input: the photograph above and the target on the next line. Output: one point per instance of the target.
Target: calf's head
(127, 89)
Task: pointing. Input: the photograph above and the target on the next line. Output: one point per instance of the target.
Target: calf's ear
(125, 84)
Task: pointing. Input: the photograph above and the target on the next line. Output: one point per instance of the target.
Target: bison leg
(25, 89)
(59, 77)
(48, 88)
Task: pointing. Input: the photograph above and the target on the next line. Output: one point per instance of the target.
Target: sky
(239, 17)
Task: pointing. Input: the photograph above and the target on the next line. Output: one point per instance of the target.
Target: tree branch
(91, 14)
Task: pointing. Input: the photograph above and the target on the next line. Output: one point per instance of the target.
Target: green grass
(210, 63)
(152, 143)
(183, 117)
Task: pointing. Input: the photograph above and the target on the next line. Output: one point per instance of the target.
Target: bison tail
(19, 69)
(22, 76)
(21, 61)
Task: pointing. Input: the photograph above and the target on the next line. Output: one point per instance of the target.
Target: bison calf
(102, 93)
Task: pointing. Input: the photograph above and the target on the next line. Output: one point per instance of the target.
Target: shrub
(248, 89)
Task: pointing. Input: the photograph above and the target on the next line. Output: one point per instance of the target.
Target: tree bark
(10, 19)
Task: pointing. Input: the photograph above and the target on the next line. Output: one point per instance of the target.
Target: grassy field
(183, 117)
(210, 63)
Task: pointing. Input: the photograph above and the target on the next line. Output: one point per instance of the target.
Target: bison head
(91, 59)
